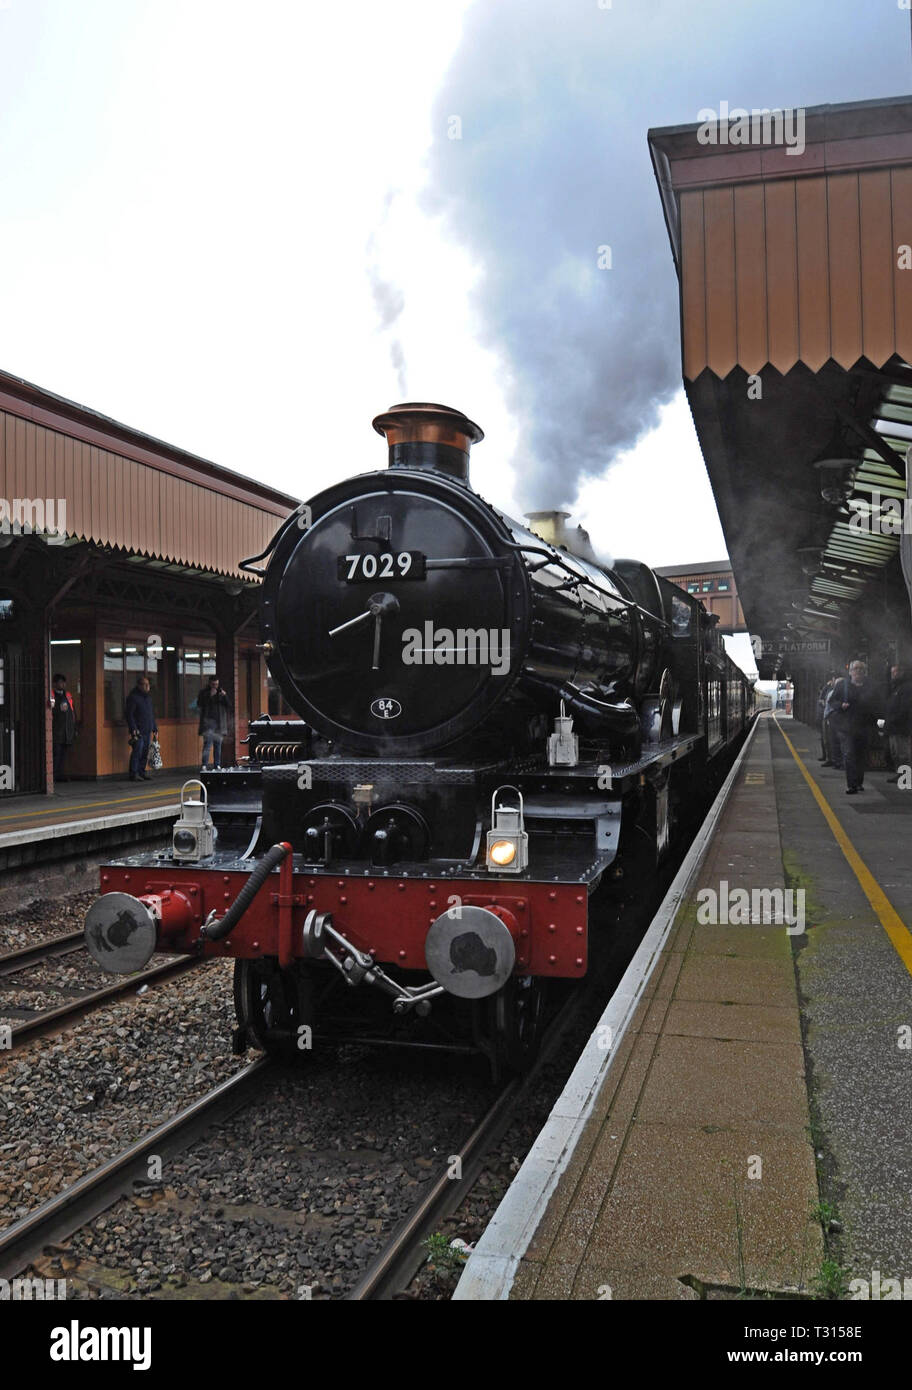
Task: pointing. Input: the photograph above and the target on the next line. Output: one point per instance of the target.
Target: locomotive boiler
(490, 724)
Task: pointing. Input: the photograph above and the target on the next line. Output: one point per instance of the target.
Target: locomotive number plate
(388, 564)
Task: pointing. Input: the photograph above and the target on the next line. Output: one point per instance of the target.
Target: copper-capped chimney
(423, 435)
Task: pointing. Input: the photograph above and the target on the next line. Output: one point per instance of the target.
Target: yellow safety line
(887, 915)
(86, 806)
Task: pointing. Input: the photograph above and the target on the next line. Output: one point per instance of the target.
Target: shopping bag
(155, 756)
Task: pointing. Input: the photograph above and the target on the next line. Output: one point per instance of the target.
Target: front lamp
(507, 848)
(194, 834)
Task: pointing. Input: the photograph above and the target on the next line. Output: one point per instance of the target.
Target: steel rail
(48, 949)
(49, 1019)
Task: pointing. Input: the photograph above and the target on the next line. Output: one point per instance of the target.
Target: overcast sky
(246, 229)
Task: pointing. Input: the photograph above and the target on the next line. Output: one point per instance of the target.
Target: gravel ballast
(72, 1100)
(292, 1197)
(43, 920)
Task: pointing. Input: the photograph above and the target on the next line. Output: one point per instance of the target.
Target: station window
(66, 656)
(724, 586)
(693, 588)
(177, 669)
(113, 680)
(707, 586)
(134, 661)
(197, 664)
(162, 670)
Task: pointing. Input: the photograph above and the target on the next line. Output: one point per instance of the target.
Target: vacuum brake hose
(220, 927)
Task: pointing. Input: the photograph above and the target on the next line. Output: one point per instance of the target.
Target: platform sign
(809, 646)
(800, 647)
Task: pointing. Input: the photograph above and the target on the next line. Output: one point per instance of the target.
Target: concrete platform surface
(88, 806)
(749, 1130)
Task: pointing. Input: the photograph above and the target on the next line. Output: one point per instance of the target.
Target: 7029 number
(364, 569)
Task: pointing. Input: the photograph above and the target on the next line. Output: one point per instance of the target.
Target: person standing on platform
(213, 721)
(832, 756)
(898, 722)
(852, 716)
(826, 752)
(63, 723)
(822, 694)
(140, 717)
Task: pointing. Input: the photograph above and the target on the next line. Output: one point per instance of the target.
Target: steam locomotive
(492, 726)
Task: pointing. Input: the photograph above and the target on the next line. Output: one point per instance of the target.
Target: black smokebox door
(426, 673)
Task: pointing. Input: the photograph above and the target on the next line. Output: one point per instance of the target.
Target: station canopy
(114, 491)
(795, 270)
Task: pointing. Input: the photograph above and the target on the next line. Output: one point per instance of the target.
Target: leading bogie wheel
(275, 1008)
(518, 1021)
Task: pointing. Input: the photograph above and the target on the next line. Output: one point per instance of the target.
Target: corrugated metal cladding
(115, 500)
(802, 269)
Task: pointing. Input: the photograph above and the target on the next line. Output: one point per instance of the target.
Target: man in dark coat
(852, 716)
(140, 717)
(63, 723)
(213, 720)
(898, 722)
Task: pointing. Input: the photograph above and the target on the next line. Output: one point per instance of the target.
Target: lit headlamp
(507, 848)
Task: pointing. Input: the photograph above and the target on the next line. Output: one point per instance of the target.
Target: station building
(713, 583)
(119, 556)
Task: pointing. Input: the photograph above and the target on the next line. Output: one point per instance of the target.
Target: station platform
(87, 806)
(739, 1123)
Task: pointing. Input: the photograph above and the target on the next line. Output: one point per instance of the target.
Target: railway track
(49, 949)
(57, 1219)
(397, 1265)
(399, 1262)
(49, 1020)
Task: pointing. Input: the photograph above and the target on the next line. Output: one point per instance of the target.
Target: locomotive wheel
(517, 1022)
(272, 1005)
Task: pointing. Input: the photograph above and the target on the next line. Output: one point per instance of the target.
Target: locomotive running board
(655, 755)
(606, 815)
